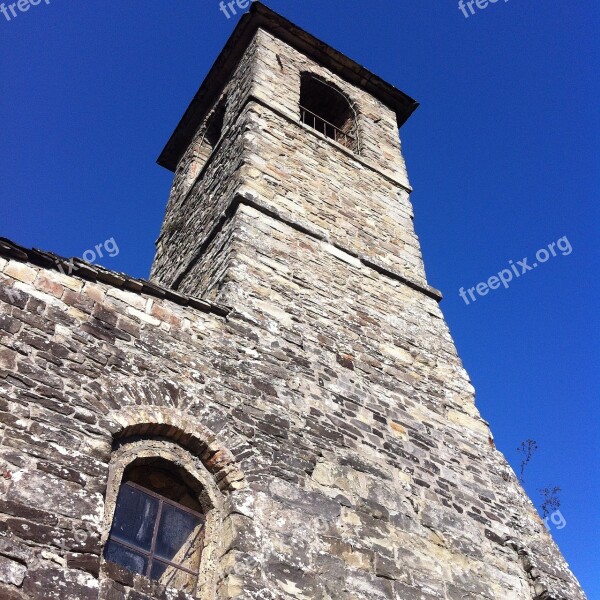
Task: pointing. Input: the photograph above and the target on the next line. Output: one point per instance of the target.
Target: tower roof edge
(262, 17)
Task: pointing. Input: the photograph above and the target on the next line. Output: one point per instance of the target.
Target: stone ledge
(249, 198)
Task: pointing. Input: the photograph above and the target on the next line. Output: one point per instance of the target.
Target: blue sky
(503, 154)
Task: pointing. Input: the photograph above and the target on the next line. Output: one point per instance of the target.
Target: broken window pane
(128, 559)
(135, 517)
(178, 534)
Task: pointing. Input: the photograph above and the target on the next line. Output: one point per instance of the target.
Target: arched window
(326, 109)
(214, 125)
(211, 133)
(165, 457)
(163, 514)
(199, 151)
(158, 525)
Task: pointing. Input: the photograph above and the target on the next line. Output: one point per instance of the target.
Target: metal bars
(326, 128)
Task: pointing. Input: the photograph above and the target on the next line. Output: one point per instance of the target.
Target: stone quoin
(280, 412)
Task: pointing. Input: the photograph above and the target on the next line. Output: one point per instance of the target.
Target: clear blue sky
(503, 155)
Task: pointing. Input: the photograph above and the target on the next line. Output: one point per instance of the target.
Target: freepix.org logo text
(241, 4)
(514, 271)
(463, 5)
(11, 11)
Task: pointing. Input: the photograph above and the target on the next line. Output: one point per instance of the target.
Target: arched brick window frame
(149, 433)
(185, 430)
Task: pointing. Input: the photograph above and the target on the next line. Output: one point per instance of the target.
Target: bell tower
(284, 133)
(290, 204)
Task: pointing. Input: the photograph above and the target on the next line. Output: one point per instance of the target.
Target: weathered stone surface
(328, 407)
(60, 584)
(11, 571)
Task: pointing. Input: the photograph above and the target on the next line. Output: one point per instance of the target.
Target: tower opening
(327, 110)
(214, 126)
(214, 129)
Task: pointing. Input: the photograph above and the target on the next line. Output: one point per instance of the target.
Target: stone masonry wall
(361, 476)
(401, 398)
(190, 217)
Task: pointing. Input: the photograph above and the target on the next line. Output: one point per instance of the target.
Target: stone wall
(351, 466)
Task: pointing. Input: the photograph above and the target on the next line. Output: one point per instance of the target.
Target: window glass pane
(135, 517)
(158, 571)
(132, 561)
(179, 535)
(172, 577)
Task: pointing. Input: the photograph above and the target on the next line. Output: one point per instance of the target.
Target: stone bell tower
(290, 204)
(285, 133)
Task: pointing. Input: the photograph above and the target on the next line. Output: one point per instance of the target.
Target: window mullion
(154, 537)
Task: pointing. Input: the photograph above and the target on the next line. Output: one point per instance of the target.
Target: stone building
(280, 413)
